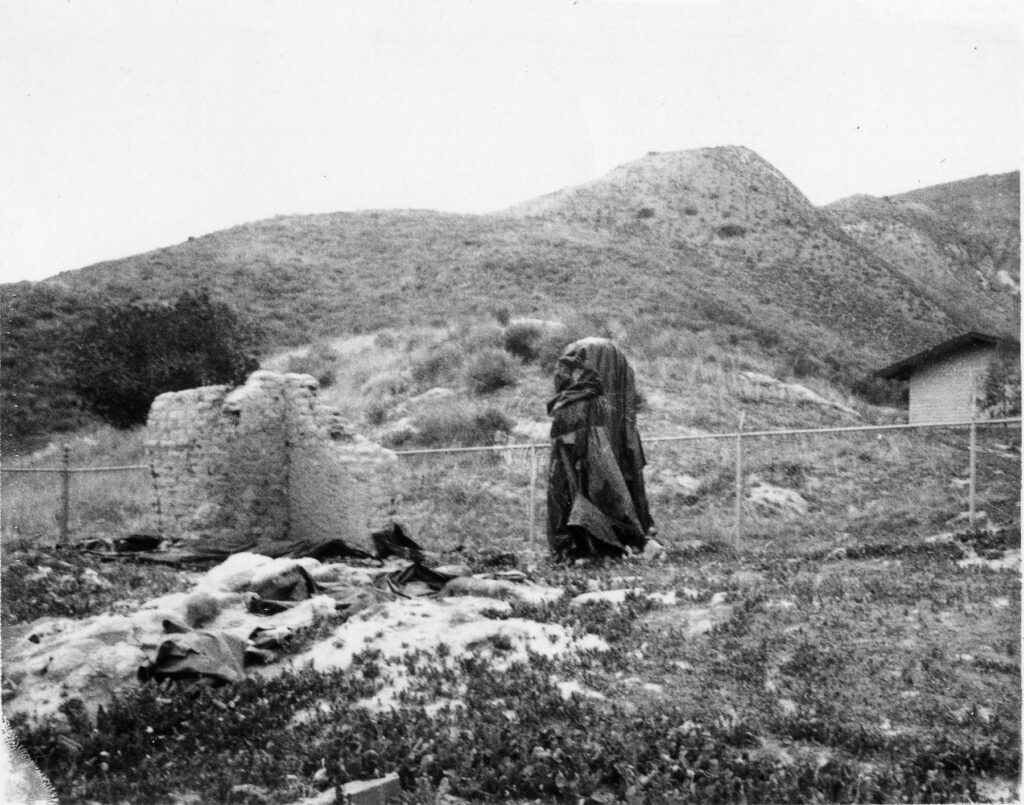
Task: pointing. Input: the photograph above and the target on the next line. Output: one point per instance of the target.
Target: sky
(130, 126)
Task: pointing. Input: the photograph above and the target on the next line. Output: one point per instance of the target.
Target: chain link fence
(37, 503)
(768, 488)
(778, 489)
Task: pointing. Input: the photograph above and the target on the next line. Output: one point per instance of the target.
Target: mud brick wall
(265, 466)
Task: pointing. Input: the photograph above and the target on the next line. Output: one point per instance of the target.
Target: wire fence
(778, 487)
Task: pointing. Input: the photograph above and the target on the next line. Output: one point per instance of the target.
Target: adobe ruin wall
(265, 464)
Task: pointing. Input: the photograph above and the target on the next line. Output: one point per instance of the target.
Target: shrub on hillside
(129, 353)
(385, 339)
(437, 364)
(876, 391)
(553, 344)
(481, 334)
(387, 383)
(522, 339)
(377, 411)
(40, 325)
(320, 362)
(461, 425)
(491, 370)
(802, 364)
(731, 231)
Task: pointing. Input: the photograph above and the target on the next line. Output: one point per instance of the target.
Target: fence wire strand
(794, 484)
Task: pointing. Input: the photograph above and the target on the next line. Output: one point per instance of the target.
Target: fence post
(973, 472)
(738, 529)
(65, 493)
(156, 497)
(533, 492)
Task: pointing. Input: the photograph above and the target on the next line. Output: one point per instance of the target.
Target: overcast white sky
(127, 126)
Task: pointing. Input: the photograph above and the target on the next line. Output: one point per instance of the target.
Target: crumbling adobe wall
(265, 467)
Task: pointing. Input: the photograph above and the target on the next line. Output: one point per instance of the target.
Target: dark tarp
(188, 654)
(596, 497)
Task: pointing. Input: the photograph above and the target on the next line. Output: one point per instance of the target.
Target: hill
(713, 235)
(715, 242)
(961, 239)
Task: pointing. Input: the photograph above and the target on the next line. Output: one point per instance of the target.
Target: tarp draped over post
(597, 502)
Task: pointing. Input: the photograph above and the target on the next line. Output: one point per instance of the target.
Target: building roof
(901, 370)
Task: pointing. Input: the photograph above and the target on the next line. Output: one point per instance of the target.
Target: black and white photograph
(510, 401)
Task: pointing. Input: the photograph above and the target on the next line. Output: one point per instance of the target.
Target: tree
(129, 353)
(39, 324)
(1000, 395)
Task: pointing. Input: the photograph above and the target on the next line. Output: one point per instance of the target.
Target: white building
(946, 379)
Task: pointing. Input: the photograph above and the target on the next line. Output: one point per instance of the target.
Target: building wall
(944, 391)
(264, 467)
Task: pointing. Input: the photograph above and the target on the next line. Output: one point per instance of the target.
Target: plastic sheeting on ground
(213, 631)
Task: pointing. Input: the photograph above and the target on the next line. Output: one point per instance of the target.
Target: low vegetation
(491, 370)
(849, 658)
(840, 680)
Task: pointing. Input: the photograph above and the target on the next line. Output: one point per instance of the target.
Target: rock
(371, 792)
(965, 517)
(692, 546)
(687, 485)
(701, 620)
(615, 597)
(433, 395)
(533, 430)
(777, 498)
(545, 326)
(501, 589)
(249, 793)
(398, 432)
(794, 391)
(787, 706)
(454, 570)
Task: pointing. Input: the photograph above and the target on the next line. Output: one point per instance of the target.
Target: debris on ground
(242, 616)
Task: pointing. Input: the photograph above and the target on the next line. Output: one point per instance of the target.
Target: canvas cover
(597, 503)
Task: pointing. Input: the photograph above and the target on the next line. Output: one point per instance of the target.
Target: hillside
(962, 239)
(713, 242)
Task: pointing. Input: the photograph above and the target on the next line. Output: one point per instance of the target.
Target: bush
(320, 362)
(802, 364)
(40, 325)
(461, 425)
(731, 231)
(128, 354)
(876, 391)
(437, 365)
(553, 344)
(385, 339)
(645, 212)
(522, 339)
(1001, 390)
(491, 370)
(377, 411)
(480, 335)
(388, 383)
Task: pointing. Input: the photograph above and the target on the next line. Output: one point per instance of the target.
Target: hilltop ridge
(961, 236)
